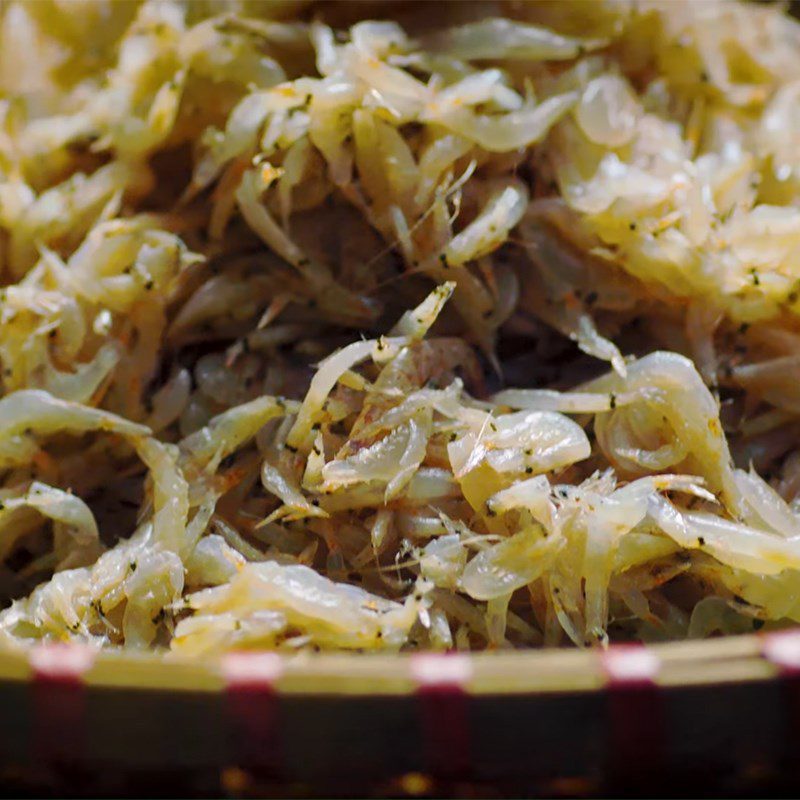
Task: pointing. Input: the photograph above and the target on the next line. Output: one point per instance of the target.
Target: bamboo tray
(723, 714)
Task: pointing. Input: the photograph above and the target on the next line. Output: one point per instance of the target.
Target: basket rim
(745, 658)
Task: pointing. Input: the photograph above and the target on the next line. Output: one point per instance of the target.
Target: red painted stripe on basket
(252, 709)
(636, 714)
(441, 680)
(59, 725)
(782, 648)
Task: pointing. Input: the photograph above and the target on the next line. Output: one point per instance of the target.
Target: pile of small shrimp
(395, 326)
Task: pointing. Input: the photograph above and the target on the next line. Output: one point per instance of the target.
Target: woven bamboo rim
(718, 661)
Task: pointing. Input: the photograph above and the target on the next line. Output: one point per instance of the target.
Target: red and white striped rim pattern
(782, 649)
(635, 711)
(58, 690)
(253, 709)
(441, 692)
(442, 681)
